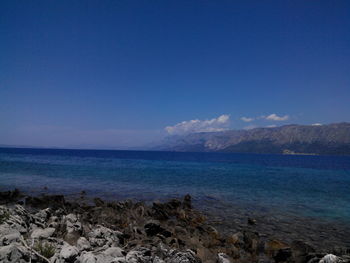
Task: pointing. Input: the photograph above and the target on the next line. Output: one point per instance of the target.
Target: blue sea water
(309, 186)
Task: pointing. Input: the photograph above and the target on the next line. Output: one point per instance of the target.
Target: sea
(306, 187)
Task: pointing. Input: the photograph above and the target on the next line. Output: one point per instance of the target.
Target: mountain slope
(325, 139)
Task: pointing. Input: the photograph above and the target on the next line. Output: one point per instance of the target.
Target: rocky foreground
(51, 229)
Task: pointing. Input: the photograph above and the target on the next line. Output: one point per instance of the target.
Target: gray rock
(187, 256)
(330, 258)
(114, 252)
(43, 214)
(158, 260)
(72, 223)
(139, 255)
(119, 260)
(87, 257)
(101, 236)
(83, 244)
(8, 234)
(223, 258)
(42, 233)
(69, 253)
(13, 253)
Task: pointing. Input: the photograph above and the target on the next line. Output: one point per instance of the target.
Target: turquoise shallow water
(310, 186)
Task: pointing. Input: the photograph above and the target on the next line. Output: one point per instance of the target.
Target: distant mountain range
(331, 139)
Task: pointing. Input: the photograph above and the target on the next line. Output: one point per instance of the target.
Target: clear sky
(124, 73)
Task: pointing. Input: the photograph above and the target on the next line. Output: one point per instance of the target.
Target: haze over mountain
(309, 139)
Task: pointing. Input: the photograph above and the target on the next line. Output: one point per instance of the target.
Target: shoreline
(131, 231)
(230, 218)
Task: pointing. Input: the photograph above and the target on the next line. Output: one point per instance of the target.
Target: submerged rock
(133, 232)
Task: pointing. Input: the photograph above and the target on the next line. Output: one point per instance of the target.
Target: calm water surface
(309, 186)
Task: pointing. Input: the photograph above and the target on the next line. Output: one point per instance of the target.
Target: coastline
(131, 231)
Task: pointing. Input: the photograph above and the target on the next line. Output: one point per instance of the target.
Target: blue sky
(124, 73)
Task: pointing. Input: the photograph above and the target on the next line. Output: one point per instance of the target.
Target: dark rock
(174, 204)
(251, 221)
(153, 229)
(187, 203)
(187, 256)
(45, 201)
(251, 241)
(10, 196)
(283, 255)
(300, 251)
(159, 211)
(99, 202)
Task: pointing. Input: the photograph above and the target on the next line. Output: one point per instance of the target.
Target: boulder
(300, 251)
(8, 235)
(330, 258)
(83, 244)
(223, 258)
(13, 253)
(114, 252)
(69, 253)
(153, 228)
(101, 236)
(187, 202)
(87, 257)
(139, 255)
(42, 233)
(187, 256)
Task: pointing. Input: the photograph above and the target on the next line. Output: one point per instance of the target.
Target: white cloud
(247, 119)
(271, 126)
(316, 124)
(213, 125)
(275, 117)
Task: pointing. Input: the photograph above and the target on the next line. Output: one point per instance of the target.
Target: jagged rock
(251, 241)
(187, 256)
(45, 201)
(236, 239)
(213, 232)
(330, 258)
(282, 255)
(187, 203)
(114, 252)
(13, 253)
(83, 244)
(88, 234)
(9, 196)
(153, 228)
(223, 258)
(87, 257)
(69, 253)
(159, 211)
(8, 235)
(101, 236)
(139, 255)
(300, 251)
(99, 201)
(43, 214)
(158, 260)
(119, 260)
(42, 233)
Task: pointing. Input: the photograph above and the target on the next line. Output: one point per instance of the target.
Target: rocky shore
(48, 228)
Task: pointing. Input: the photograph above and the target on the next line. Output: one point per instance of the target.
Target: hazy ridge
(324, 139)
